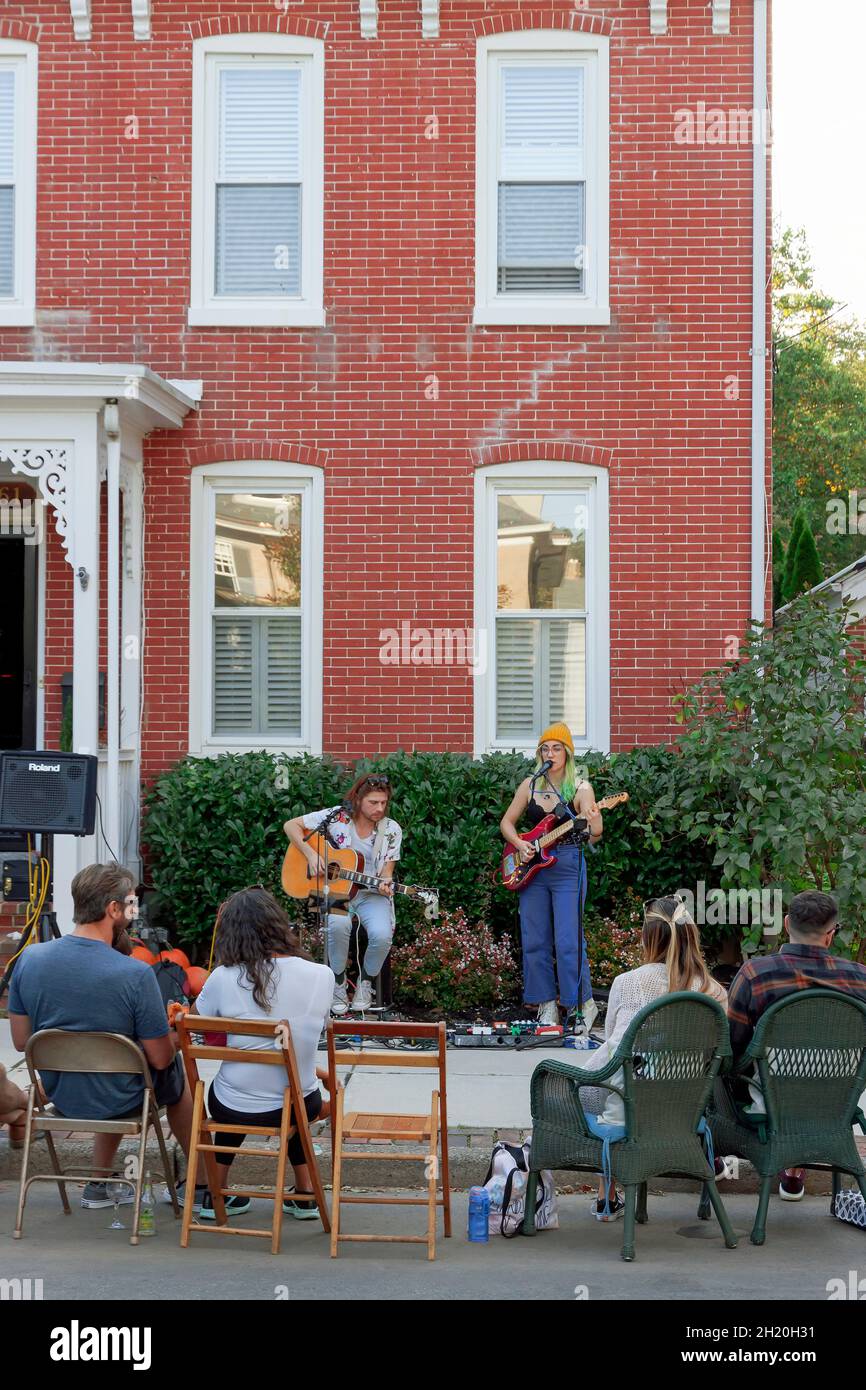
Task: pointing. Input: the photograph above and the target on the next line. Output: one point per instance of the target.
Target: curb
(469, 1156)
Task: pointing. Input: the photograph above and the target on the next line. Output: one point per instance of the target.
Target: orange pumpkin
(142, 953)
(176, 955)
(195, 978)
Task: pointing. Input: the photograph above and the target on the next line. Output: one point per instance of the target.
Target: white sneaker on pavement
(590, 1014)
(548, 1013)
(340, 1001)
(362, 998)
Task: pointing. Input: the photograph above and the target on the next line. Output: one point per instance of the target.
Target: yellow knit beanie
(558, 733)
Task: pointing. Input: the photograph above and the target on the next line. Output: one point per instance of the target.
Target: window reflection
(541, 550)
(257, 550)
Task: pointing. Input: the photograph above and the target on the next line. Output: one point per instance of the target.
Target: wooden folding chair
(103, 1054)
(430, 1130)
(201, 1142)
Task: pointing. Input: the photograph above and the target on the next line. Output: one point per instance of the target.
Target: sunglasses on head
(378, 782)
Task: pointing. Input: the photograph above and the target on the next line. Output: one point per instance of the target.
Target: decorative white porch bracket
(721, 16)
(47, 465)
(80, 12)
(141, 19)
(429, 19)
(658, 12)
(368, 13)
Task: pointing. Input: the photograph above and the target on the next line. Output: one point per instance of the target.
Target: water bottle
(146, 1225)
(479, 1214)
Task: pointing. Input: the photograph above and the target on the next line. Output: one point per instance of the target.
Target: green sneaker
(302, 1211)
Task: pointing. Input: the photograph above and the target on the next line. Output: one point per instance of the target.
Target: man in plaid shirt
(804, 962)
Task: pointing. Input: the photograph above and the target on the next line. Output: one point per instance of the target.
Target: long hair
(369, 781)
(670, 935)
(252, 930)
(570, 778)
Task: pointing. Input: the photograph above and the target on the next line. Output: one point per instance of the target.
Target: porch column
(111, 829)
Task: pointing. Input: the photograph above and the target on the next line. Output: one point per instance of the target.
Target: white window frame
(591, 307)
(19, 308)
(548, 476)
(207, 308)
(254, 476)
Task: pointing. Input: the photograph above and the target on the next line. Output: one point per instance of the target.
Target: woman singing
(551, 906)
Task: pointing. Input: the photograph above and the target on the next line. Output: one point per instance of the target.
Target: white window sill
(213, 750)
(540, 312)
(18, 315)
(257, 314)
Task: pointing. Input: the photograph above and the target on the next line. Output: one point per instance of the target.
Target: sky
(819, 137)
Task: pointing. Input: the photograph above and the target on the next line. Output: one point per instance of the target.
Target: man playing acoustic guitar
(371, 832)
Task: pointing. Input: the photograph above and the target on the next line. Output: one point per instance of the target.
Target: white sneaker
(340, 1001)
(363, 997)
(590, 1014)
(548, 1013)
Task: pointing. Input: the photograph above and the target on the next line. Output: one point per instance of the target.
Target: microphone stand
(322, 901)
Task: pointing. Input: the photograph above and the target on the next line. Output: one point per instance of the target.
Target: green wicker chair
(810, 1053)
(669, 1057)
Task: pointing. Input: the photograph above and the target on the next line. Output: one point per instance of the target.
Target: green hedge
(213, 825)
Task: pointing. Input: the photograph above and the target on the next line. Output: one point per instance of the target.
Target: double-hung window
(542, 179)
(542, 598)
(18, 65)
(255, 658)
(257, 181)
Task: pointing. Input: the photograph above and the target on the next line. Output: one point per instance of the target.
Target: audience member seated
(79, 983)
(13, 1108)
(804, 962)
(262, 973)
(673, 961)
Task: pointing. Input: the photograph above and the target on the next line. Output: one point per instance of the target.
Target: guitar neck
(553, 835)
(371, 881)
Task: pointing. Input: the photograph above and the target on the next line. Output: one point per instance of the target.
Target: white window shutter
(282, 687)
(233, 675)
(566, 674)
(258, 195)
(7, 174)
(541, 227)
(517, 706)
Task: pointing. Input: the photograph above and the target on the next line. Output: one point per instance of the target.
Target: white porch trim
(66, 426)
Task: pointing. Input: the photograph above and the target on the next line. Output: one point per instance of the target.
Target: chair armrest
(582, 1076)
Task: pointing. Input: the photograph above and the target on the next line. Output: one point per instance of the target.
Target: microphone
(545, 767)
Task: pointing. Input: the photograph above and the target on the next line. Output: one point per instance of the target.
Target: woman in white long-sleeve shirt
(673, 961)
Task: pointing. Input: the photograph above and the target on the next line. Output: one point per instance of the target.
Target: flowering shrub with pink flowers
(451, 965)
(611, 950)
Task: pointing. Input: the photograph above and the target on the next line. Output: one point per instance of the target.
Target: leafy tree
(778, 568)
(804, 570)
(819, 403)
(773, 772)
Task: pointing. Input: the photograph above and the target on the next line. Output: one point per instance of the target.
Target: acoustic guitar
(515, 874)
(346, 877)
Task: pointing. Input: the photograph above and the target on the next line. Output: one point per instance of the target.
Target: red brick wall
(648, 392)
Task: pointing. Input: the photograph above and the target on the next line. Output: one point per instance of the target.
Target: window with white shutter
(257, 180)
(542, 174)
(542, 592)
(17, 182)
(256, 607)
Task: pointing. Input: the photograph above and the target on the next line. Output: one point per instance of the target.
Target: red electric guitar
(516, 875)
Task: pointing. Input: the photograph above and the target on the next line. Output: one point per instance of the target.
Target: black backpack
(172, 982)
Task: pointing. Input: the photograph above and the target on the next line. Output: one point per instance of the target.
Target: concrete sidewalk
(677, 1258)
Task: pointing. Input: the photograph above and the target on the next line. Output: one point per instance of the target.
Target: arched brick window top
(537, 450)
(513, 21)
(19, 29)
(258, 24)
(248, 450)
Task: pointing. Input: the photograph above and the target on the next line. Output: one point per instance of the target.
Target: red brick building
(392, 375)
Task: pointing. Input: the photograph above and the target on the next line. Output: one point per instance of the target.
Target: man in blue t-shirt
(81, 984)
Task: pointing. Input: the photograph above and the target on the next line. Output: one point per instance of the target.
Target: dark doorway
(17, 643)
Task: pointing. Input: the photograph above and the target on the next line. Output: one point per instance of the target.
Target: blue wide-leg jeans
(551, 911)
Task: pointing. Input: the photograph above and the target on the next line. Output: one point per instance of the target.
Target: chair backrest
(810, 1049)
(57, 1049)
(282, 1054)
(675, 1047)
(430, 1058)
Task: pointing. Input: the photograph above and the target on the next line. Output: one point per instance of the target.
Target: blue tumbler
(479, 1214)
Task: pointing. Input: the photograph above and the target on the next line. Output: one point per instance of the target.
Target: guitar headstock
(614, 800)
(430, 898)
